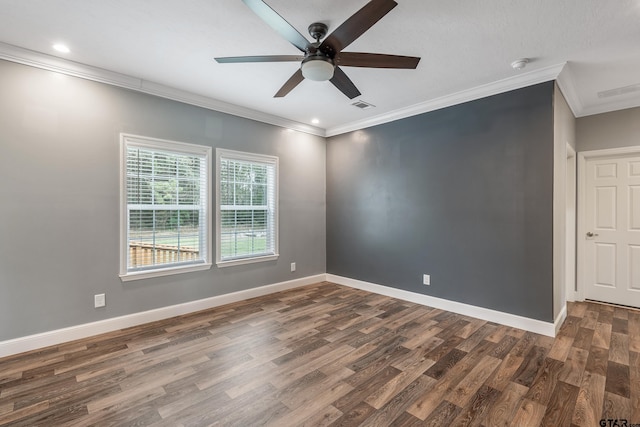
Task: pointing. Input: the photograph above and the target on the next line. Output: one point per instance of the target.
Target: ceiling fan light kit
(322, 59)
(319, 69)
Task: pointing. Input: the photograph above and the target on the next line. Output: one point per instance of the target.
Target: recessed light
(315, 121)
(61, 48)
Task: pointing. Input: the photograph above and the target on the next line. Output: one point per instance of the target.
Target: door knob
(591, 234)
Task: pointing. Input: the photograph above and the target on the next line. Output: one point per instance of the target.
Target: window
(247, 203)
(165, 207)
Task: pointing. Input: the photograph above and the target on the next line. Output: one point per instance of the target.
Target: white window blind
(247, 201)
(167, 205)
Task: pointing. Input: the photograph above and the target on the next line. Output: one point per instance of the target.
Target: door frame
(571, 203)
(583, 157)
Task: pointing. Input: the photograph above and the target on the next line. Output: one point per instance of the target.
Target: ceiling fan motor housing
(318, 30)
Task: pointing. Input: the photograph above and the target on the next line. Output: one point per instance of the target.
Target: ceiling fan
(321, 61)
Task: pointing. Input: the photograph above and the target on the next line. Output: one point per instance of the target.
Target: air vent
(362, 105)
(619, 91)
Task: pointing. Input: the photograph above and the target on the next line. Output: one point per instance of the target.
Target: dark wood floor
(330, 355)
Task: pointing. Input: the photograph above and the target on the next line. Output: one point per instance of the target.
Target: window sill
(148, 274)
(233, 262)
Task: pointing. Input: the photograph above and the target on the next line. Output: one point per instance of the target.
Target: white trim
(47, 62)
(583, 156)
(609, 152)
(166, 144)
(251, 260)
(255, 158)
(159, 272)
(559, 210)
(59, 336)
(581, 206)
(566, 82)
(505, 85)
(557, 324)
(51, 63)
(568, 89)
(571, 294)
(617, 105)
(171, 146)
(533, 325)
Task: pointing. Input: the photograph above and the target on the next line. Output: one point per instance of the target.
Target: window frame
(255, 158)
(127, 140)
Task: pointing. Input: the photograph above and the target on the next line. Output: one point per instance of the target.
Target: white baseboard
(574, 296)
(560, 318)
(533, 325)
(58, 336)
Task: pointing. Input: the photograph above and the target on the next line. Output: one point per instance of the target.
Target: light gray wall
(564, 129)
(609, 130)
(59, 195)
(463, 193)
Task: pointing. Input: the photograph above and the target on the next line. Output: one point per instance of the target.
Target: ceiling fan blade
(376, 60)
(278, 23)
(264, 58)
(290, 84)
(344, 83)
(357, 24)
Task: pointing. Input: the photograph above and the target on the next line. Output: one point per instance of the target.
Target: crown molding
(565, 82)
(568, 89)
(51, 63)
(609, 107)
(521, 80)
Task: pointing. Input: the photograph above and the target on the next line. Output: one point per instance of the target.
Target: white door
(612, 229)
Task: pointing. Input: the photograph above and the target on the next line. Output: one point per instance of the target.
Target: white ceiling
(466, 49)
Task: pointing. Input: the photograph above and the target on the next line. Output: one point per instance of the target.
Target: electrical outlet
(99, 301)
(293, 266)
(426, 279)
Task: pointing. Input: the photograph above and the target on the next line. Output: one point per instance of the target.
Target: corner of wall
(563, 135)
(507, 319)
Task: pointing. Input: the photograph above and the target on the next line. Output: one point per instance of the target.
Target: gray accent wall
(609, 130)
(59, 199)
(464, 194)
